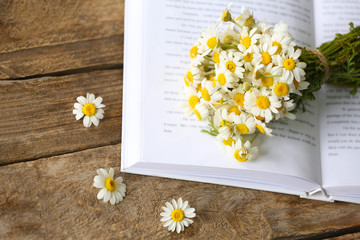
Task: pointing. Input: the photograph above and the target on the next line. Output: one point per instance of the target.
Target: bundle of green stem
(334, 62)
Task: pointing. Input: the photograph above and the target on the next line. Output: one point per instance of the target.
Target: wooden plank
(63, 58)
(32, 23)
(37, 119)
(54, 198)
(42, 37)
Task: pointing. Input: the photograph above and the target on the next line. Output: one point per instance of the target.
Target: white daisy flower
(226, 79)
(243, 152)
(229, 35)
(251, 58)
(90, 107)
(177, 214)
(231, 62)
(201, 111)
(208, 40)
(261, 103)
(209, 93)
(244, 123)
(268, 76)
(192, 98)
(284, 110)
(261, 126)
(267, 50)
(282, 89)
(282, 41)
(247, 39)
(246, 18)
(299, 86)
(113, 190)
(292, 67)
(221, 118)
(237, 96)
(193, 76)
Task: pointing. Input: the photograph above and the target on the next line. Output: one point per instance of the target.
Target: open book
(315, 156)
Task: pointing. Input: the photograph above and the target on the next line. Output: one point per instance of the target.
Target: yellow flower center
(228, 142)
(186, 82)
(246, 41)
(89, 109)
(190, 76)
(239, 99)
(193, 51)
(110, 184)
(235, 110)
(281, 89)
(248, 57)
(198, 115)
(177, 215)
(193, 100)
(212, 42)
(216, 57)
(241, 154)
(289, 64)
(205, 94)
(224, 122)
(262, 102)
(231, 66)
(267, 81)
(266, 58)
(221, 79)
(279, 47)
(260, 128)
(242, 128)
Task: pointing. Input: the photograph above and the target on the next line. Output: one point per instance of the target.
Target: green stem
(227, 46)
(238, 25)
(254, 137)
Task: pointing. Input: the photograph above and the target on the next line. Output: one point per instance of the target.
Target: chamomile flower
(244, 123)
(246, 18)
(261, 103)
(209, 39)
(209, 94)
(201, 111)
(282, 89)
(292, 67)
(177, 215)
(237, 96)
(113, 190)
(243, 152)
(261, 126)
(231, 62)
(90, 108)
(229, 35)
(193, 76)
(267, 52)
(226, 79)
(192, 98)
(282, 41)
(284, 110)
(251, 58)
(248, 39)
(268, 76)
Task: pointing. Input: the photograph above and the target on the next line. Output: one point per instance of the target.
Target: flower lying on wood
(91, 107)
(177, 214)
(113, 190)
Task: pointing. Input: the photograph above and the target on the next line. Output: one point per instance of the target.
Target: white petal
(107, 196)
(165, 218)
(119, 180)
(296, 75)
(79, 115)
(189, 210)
(101, 194)
(166, 209)
(91, 98)
(99, 115)
(111, 173)
(119, 197)
(185, 205)
(94, 120)
(103, 173)
(168, 223)
(81, 100)
(112, 199)
(178, 227)
(86, 121)
(297, 54)
(174, 204)
(190, 215)
(179, 203)
(97, 101)
(169, 206)
(78, 106)
(172, 226)
(187, 221)
(101, 106)
(165, 214)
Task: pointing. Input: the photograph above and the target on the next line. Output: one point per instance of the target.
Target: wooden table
(50, 53)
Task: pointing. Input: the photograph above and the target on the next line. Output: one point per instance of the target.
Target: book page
(340, 136)
(333, 16)
(169, 137)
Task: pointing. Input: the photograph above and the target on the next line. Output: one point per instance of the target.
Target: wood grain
(62, 59)
(63, 205)
(37, 119)
(43, 37)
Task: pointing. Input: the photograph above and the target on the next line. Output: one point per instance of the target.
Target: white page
(171, 27)
(333, 16)
(340, 137)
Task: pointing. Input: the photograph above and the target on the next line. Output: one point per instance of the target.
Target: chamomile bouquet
(245, 74)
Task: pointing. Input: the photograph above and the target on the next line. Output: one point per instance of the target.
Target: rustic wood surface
(50, 53)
